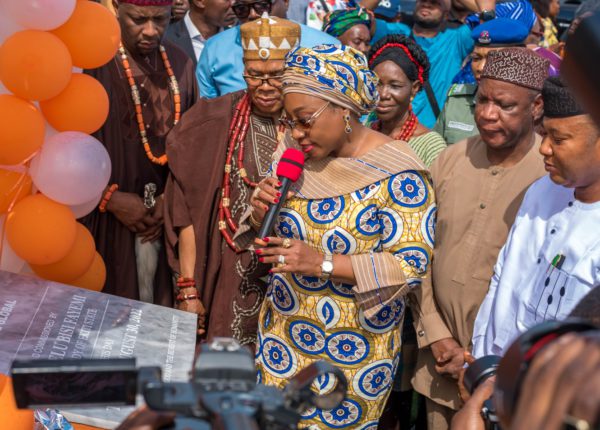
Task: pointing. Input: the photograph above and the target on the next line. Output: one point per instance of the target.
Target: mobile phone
(87, 382)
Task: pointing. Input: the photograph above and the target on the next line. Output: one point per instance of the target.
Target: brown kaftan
(131, 169)
(230, 284)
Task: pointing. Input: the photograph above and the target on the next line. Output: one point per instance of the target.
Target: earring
(348, 128)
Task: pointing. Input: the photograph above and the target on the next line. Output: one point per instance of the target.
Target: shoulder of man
(310, 37)
(445, 163)
(457, 90)
(223, 38)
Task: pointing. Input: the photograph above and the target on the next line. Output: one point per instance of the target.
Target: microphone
(288, 171)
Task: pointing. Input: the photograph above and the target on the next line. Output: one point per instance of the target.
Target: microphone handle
(271, 216)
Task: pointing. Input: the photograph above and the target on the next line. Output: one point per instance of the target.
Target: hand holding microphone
(271, 193)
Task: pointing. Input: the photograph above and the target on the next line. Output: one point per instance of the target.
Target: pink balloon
(9, 261)
(84, 209)
(7, 24)
(72, 168)
(39, 14)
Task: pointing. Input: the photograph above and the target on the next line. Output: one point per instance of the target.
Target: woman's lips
(384, 109)
(307, 148)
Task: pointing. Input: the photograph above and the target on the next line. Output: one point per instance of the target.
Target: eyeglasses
(242, 10)
(303, 124)
(257, 81)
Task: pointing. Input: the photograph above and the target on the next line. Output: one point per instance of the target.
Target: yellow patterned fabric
(386, 227)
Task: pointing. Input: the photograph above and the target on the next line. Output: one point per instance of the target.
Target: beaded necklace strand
(407, 130)
(237, 137)
(135, 95)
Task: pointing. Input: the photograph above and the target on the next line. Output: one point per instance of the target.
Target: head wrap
(518, 66)
(500, 32)
(148, 2)
(559, 101)
(403, 51)
(338, 22)
(340, 75)
(269, 38)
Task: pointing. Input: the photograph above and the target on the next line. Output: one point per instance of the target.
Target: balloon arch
(51, 170)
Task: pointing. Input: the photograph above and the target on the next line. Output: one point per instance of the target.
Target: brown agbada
(131, 169)
(477, 205)
(229, 284)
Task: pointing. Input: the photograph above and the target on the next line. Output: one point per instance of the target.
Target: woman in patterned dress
(363, 203)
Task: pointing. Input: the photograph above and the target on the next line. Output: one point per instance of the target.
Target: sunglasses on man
(242, 10)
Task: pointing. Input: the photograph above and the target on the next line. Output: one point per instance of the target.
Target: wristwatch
(327, 267)
(487, 15)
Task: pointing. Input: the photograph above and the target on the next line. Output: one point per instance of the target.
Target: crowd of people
(449, 198)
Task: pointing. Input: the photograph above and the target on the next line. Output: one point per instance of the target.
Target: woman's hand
(265, 194)
(299, 257)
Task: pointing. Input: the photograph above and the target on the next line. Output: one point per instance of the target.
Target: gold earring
(348, 128)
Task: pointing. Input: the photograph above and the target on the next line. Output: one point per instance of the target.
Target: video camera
(222, 393)
(511, 369)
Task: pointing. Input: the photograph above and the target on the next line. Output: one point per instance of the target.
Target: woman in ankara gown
(351, 243)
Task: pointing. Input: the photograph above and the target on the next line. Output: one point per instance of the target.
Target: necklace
(407, 130)
(238, 128)
(135, 95)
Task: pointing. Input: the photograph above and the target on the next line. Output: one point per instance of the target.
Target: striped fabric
(332, 177)
(428, 146)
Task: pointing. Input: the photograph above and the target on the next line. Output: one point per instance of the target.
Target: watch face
(327, 266)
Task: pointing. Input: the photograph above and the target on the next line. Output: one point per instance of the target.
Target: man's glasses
(242, 10)
(257, 81)
(303, 124)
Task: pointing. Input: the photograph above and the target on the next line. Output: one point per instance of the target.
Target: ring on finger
(287, 243)
(281, 260)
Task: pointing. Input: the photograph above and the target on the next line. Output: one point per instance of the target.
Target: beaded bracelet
(106, 198)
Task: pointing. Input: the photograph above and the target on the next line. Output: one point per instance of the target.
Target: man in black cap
(552, 256)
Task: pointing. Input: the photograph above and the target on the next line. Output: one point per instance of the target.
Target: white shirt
(551, 259)
(198, 41)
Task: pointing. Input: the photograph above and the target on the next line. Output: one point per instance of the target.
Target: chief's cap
(269, 38)
(500, 32)
(559, 101)
(518, 66)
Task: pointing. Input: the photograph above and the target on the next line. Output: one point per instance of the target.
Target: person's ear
(537, 108)
(416, 86)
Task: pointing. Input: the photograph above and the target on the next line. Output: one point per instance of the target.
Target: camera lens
(480, 370)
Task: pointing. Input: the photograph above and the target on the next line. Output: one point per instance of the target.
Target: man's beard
(426, 23)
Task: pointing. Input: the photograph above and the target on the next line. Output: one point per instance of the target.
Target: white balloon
(39, 14)
(84, 209)
(71, 168)
(9, 261)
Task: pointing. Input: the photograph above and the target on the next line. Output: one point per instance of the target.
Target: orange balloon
(75, 264)
(22, 129)
(11, 417)
(94, 278)
(14, 186)
(41, 231)
(35, 65)
(83, 426)
(92, 35)
(82, 106)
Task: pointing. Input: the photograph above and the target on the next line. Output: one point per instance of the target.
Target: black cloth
(178, 33)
